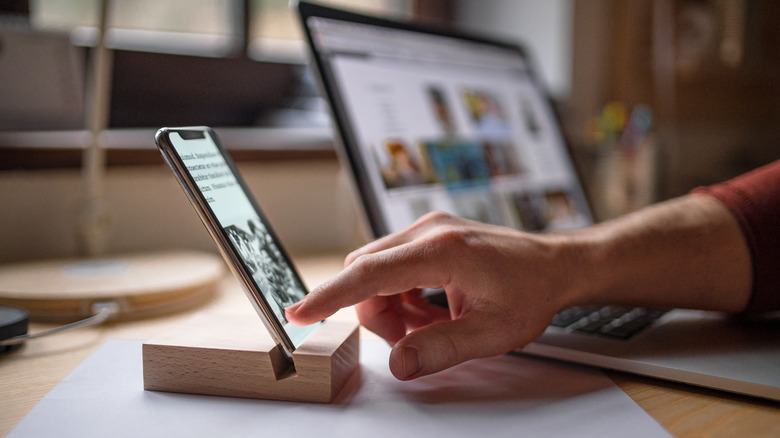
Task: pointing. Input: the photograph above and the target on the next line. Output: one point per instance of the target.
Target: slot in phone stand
(233, 355)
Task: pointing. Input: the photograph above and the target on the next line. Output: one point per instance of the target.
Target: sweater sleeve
(754, 200)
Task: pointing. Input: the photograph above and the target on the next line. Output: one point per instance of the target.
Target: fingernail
(411, 361)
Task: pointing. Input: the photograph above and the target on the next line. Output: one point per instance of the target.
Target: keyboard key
(611, 321)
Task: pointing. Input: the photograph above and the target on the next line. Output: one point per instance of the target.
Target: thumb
(441, 345)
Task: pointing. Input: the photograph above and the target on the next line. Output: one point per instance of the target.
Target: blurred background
(704, 75)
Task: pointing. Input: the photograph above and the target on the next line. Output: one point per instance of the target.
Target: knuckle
(351, 257)
(449, 239)
(365, 264)
(435, 217)
(454, 354)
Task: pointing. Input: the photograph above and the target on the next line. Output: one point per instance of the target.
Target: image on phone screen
(234, 218)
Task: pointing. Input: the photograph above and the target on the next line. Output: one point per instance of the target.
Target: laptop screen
(438, 122)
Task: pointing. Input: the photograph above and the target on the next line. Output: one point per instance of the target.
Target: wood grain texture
(143, 285)
(28, 374)
(689, 411)
(233, 355)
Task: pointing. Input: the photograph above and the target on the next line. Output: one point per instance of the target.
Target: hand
(503, 288)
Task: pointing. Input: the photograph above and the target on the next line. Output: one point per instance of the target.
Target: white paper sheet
(496, 397)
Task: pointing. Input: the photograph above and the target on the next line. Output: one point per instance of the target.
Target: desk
(28, 374)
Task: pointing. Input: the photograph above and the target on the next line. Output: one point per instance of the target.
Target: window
(196, 27)
(273, 31)
(177, 62)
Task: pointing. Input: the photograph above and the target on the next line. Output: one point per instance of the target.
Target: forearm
(685, 253)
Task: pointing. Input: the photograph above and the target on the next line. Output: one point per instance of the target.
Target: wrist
(686, 253)
(588, 253)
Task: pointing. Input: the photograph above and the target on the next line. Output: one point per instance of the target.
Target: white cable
(103, 311)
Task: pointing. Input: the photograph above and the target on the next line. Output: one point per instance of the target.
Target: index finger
(387, 272)
(410, 233)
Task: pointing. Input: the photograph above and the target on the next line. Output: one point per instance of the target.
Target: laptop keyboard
(609, 321)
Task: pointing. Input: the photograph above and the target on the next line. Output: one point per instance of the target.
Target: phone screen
(243, 224)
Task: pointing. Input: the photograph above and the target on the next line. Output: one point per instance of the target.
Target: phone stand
(233, 355)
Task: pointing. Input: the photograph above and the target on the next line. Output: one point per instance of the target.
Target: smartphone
(234, 220)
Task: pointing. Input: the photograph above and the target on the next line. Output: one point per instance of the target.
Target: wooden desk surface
(28, 374)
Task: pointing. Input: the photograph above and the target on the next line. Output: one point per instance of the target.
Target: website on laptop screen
(447, 124)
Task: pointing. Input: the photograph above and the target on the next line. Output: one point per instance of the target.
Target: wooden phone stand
(233, 355)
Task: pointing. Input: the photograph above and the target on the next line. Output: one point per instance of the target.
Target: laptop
(432, 120)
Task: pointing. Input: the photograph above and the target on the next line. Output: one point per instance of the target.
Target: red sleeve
(754, 200)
